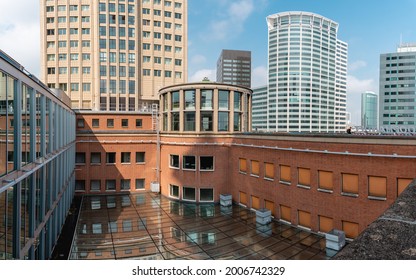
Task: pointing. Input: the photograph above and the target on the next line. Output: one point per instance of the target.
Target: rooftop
(151, 226)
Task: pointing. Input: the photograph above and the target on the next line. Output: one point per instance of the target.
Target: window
(110, 185)
(80, 123)
(377, 187)
(223, 99)
(325, 181)
(269, 205)
(350, 229)
(110, 122)
(95, 122)
(140, 157)
(285, 213)
(326, 224)
(189, 162)
(95, 185)
(402, 184)
(80, 158)
(206, 195)
(139, 122)
(125, 184)
(255, 168)
(304, 177)
(304, 219)
(125, 157)
(189, 123)
(174, 191)
(243, 165)
(174, 161)
(80, 185)
(255, 202)
(140, 184)
(110, 157)
(124, 122)
(222, 121)
(285, 174)
(268, 170)
(206, 121)
(206, 163)
(350, 184)
(189, 193)
(95, 158)
(243, 198)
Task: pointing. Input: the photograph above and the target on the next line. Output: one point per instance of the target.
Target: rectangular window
(95, 185)
(350, 229)
(243, 165)
(139, 122)
(325, 181)
(80, 158)
(269, 205)
(402, 184)
(377, 187)
(125, 157)
(110, 158)
(174, 161)
(140, 157)
(304, 177)
(350, 184)
(110, 122)
(189, 124)
(285, 174)
(285, 213)
(223, 121)
(223, 99)
(255, 202)
(80, 185)
(124, 122)
(95, 158)
(189, 162)
(255, 168)
(140, 184)
(206, 163)
(174, 191)
(269, 171)
(206, 195)
(326, 224)
(243, 198)
(189, 193)
(304, 219)
(110, 185)
(125, 184)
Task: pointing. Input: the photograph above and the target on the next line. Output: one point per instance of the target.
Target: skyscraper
(307, 70)
(234, 67)
(398, 89)
(113, 55)
(369, 110)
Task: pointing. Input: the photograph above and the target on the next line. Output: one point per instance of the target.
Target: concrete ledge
(391, 237)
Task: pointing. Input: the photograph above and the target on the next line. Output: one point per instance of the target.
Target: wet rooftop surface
(150, 226)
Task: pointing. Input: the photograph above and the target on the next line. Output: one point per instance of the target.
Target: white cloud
(20, 33)
(232, 21)
(357, 65)
(259, 76)
(203, 73)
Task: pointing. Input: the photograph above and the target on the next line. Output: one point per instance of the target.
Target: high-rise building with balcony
(369, 110)
(307, 71)
(397, 89)
(234, 67)
(113, 55)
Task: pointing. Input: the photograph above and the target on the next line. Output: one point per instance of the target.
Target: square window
(377, 187)
(304, 177)
(95, 158)
(125, 157)
(80, 158)
(125, 184)
(110, 185)
(174, 161)
(206, 195)
(110, 157)
(80, 185)
(95, 122)
(95, 185)
(110, 122)
(189, 193)
(350, 184)
(140, 157)
(206, 163)
(189, 162)
(140, 184)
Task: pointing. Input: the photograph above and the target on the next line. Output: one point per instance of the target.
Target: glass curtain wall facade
(37, 159)
(307, 74)
(398, 89)
(369, 110)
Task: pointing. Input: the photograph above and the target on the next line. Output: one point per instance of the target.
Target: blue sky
(370, 27)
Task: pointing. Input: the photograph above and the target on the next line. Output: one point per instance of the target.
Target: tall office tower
(113, 55)
(369, 110)
(397, 88)
(259, 109)
(234, 67)
(307, 74)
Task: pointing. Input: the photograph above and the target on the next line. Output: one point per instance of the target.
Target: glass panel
(206, 99)
(206, 121)
(222, 121)
(223, 99)
(190, 99)
(189, 121)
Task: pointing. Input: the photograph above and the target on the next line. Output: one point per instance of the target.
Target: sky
(370, 27)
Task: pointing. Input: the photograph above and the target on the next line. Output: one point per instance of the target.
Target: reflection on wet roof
(150, 226)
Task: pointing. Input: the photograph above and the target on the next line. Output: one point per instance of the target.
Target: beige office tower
(113, 55)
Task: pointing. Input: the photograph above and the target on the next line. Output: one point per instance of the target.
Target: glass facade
(369, 110)
(36, 142)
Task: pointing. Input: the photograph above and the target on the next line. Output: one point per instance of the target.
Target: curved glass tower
(307, 74)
